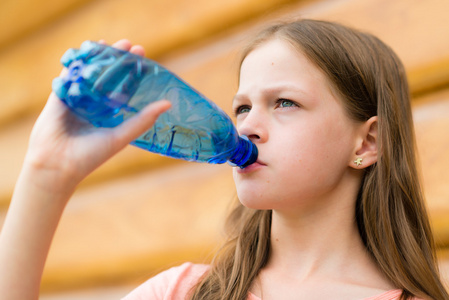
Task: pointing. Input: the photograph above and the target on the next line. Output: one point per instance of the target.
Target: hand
(65, 149)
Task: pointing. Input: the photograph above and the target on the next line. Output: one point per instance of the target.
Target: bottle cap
(245, 154)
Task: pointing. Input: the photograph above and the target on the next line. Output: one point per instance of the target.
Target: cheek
(315, 157)
(328, 137)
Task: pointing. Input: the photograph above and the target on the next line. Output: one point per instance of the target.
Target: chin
(255, 203)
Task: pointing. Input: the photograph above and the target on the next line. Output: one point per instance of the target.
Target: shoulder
(390, 295)
(174, 283)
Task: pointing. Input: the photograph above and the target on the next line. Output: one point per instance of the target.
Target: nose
(255, 126)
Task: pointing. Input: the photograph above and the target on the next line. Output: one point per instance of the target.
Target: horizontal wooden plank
(416, 30)
(431, 125)
(33, 15)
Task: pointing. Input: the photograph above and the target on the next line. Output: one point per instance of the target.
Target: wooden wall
(141, 213)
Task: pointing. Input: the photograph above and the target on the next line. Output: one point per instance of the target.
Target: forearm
(27, 233)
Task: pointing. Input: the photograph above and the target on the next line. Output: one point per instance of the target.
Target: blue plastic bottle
(106, 86)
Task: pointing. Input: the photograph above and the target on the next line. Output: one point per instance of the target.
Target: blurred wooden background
(141, 213)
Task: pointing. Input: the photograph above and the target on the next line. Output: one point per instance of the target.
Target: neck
(320, 236)
(320, 241)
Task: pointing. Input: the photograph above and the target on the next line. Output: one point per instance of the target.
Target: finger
(123, 44)
(53, 104)
(137, 125)
(54, 109)
(137, 49)
(64, 72)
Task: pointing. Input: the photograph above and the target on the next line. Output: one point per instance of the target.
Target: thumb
(134, 127)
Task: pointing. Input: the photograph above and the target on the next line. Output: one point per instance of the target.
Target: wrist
(45, 179)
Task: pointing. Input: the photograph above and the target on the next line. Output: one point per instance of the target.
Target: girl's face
(306, 142)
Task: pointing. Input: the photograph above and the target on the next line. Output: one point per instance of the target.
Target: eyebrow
(276, 89)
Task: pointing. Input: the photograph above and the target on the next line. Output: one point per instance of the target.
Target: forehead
(276, 62)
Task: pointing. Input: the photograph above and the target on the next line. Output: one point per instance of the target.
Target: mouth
(260, 162)
(252, 167)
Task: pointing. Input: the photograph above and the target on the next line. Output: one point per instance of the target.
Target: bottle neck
(245, 153)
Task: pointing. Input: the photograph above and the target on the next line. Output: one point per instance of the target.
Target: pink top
(176, 283)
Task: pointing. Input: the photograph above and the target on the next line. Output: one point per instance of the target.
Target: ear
(365, 151)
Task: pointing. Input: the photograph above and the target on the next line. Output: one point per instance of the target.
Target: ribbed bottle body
(106, 86)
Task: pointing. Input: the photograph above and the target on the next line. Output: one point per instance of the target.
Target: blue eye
(286, 103)
(243, 109)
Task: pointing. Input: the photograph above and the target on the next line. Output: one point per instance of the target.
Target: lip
(251, 168)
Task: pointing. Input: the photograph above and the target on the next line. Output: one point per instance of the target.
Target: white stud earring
(358, 161)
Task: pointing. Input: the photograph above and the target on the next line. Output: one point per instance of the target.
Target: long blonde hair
(390, 211)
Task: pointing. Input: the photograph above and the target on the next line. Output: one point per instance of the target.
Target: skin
(306, 174)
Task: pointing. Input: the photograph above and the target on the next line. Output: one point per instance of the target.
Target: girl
(332, 209)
